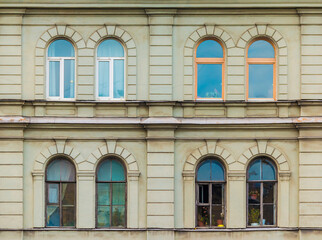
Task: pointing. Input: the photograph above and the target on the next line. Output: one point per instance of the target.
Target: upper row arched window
(110, 70)
(260, 70)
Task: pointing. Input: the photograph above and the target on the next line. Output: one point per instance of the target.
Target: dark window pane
(118, 213)
(210, 49)
(268, 214)
(203, 193)
(217, 171)
(269, 192)
(54, 79)
(53, 219)
(209, 81)
(261, 49)
(217, 193)
(68, 216)
(253, 215)
(104, 171)
(68, 193)
(118, 194)
(69, 78)
(260, 81)
(110, 48)
(254, 171)
(103, 216)
(268, 170)
(103, 193)
(217, 216)
(204, 171)
(117, 171)
(61, 48)
(203, 216)
(53, 193)
(254, 193)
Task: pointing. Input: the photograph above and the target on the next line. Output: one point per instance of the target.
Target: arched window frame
(61, 60)
(47, 182)
(210, 61)
(111, 73)
(250, 61)
(109, 158)
(224, 197)
(261, 158)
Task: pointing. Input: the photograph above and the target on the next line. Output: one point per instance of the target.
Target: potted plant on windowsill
(254, 217)
(203, 217)
(220, 221)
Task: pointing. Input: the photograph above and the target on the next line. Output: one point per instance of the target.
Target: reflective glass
(103, 216)
(268, 170)
(53, 218)
(203, 218)
(217, 193)
(61, 48)
(54, 76)
(217, 171)
(260, 81)
(103, 79)
(61, 170)
(253, 215)
(209, 81)
(68, 218)
(118, 213)
(268, 214)
(261, 49)
(118, 79)
(104, 171)
(53, 171)
(204, 171)
(53, 193)
(217, 216)
(203, 193)
(117, 171)
(210, 49)
(68, 193)
(269, 192)
(118, 194)
(103, 193)
(110, 48)
(69, 78)
(254, 171)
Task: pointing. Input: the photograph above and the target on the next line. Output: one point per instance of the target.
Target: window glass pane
(210, 49)
(118, 213)
(268, 214)
(253, 215)
(117, 171)
(53, 171)
(261, 49)
(68, 193)
(103, 79)
(54, 76)
(104, 171)
(203, 216)
(269, 192)
(103, 216)
(61, 48)
(53, 193)
(204, 171)
(203, 193)
(53, 219)
(254, 171)
(110, 48)
(118, 90)
(209, 81)
(68, 217)
(254, 193)
(69, 78)
(118, 194)
(268, 170)
(67, 171)
(103, 193)
(217, 171)
(217, 193)
(217, 216)
(260, 81)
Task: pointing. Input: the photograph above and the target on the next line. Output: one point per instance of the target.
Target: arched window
(261, 192)
(110, 70)
(61, 70)
(60, 193)
(210, 194)
(209, 70)
(111, 194)
(261, 70)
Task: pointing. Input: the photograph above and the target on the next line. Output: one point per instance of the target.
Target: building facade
(171, 120)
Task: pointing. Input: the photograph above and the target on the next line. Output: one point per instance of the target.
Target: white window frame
(61, 61)
(111, 75)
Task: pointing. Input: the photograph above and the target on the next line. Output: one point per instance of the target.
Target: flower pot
(254, 224)
(220, 222)
(200, 224)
